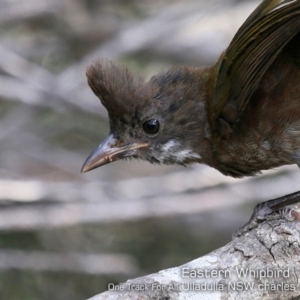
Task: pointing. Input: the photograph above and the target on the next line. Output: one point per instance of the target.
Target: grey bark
(270, 253)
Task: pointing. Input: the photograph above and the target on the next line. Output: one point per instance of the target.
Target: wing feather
(240, 69)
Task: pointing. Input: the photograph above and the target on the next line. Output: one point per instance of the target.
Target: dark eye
(151, 126)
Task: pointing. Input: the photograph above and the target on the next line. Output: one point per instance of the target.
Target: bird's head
(161, 121)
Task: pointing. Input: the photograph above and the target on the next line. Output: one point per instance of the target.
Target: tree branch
(270, 254)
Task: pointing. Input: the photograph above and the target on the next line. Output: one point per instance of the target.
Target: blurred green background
(66, 235)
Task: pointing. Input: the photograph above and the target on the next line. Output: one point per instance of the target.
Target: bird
(239, 116)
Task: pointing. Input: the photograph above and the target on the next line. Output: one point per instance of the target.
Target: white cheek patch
(172, 150)
(169, 145)
(184, 154)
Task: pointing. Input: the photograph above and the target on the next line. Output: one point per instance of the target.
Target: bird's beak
(111, 149)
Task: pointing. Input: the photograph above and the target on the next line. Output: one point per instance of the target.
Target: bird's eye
(151, 126)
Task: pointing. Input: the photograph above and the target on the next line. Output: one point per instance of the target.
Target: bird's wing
(240, 69)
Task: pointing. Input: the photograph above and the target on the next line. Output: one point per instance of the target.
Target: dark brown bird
(239, 116)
